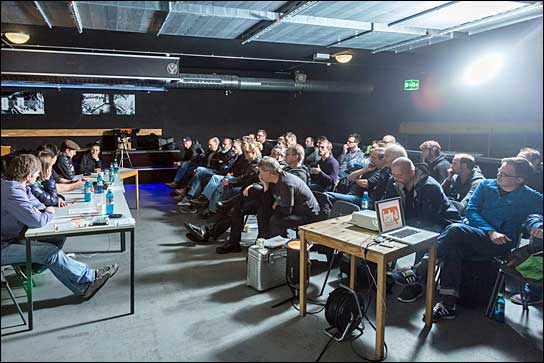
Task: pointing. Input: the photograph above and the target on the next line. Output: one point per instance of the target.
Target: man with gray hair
(287, 201)
(425, 206)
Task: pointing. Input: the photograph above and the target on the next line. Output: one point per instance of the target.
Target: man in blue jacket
(21, 210)
(496, 212)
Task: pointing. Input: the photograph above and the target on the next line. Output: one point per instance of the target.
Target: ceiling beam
(75, 15)
(432, 10)
(42, 13)
(166, 18)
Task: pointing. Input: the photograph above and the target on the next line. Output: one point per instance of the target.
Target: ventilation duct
(230, 82)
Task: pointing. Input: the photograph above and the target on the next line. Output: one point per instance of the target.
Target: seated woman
(45, 188)
(90, 161)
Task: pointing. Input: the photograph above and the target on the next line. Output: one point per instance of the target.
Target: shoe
(410, 293)
(442, 311)
(407, 277)
(194, 238)
(109, 269)
(185, 201)
(229, 248)
(531, 300)
(181, 191)
(172, 185)
(186, 209)
(96, 285)
(200, 202)
(199, 231)
(178, 198)
(227, 203)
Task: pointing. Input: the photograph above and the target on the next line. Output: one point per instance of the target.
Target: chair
(340, 208)
(5, 284)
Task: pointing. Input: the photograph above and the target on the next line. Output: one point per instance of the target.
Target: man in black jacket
(463, 178)
(267, 145)
(190, 149)
(64, 166)
(294, 156)
(438, 164)
(90, 161)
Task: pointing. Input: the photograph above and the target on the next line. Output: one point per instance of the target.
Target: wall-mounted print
(108, 104)
(23, 103)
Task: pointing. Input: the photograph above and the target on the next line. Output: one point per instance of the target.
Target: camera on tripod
(123, 138)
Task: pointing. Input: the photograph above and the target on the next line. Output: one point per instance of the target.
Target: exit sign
(411, 84)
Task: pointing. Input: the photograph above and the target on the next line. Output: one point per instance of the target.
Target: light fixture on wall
(343, 58)
(17, 38)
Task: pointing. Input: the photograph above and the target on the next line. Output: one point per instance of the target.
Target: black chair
(339, 209)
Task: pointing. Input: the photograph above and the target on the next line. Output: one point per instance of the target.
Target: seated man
(294, 156)
(373, 180)
(325, 174)
(189, 150)
(463, 178)
(351, 156)
(64, 166)
(535, 158)
(425, 206)
(278, 153)
(438, 164)
(495, 213)
(267, 145)
(90, 161)
(55, 179)
(287, 200)
(20, 209)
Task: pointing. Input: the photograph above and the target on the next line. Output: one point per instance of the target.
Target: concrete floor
(193, 305)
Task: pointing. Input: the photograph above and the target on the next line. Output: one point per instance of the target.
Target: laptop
(393, 225)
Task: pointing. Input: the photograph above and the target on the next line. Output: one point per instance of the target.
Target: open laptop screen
(390, 214)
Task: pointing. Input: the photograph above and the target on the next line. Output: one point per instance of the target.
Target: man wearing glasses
(351, 157)
(496, 212)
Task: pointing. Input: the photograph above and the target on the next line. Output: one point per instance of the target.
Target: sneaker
(531, 300)
(407, 277)
(200, 202)
(96, 285)
(410, 293)
(186, 209)
(229, 248)
(442, 311)
(199, 231)
(185, 201)
(109, 269)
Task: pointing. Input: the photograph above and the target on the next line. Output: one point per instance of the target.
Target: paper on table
(122, 221)
(72, 211)
(275, 242)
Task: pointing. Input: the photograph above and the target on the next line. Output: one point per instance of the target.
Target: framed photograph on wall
(108, 104)
(23, 103)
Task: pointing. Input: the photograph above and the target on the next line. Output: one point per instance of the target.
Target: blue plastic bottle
(116, 166)
(109, 202)
(99, 184)
(87, 190)
(365, 201)
(499, 309)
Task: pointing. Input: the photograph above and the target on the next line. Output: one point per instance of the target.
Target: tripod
(122, 152)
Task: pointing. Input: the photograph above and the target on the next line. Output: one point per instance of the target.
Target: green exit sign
(411, 84)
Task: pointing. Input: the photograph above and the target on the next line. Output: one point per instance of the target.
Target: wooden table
(126, 173)
(339, 233)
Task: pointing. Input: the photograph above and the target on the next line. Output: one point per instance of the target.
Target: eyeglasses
(503, 175)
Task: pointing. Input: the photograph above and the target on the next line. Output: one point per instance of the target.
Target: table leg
(430, 285)
(137, 192)
(123, 242)
(29, 285)
(380, 308)
(302, 274)
(131, 270)
(352, 272)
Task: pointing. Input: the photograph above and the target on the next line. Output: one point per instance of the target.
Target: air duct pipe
(230, 82)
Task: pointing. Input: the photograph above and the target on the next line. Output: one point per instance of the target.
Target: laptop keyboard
(404, 233)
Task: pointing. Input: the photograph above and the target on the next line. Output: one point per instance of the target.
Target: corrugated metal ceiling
(374, 25)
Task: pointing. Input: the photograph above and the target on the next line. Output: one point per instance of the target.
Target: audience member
(351, 156)
(267, 145)
(463, 178)
(438, 164)
(63, 166)
(535, 158)
(90, 161)
(44, 189)
(189, 151)
(294, 156)
(325, 174)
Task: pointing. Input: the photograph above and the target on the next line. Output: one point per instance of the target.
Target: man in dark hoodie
(438, 164)
(425, 206)
(294, 157)
(463, 178)
(190, 149)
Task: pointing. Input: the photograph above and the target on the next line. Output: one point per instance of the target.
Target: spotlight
(343, 58)
(483, 69)
(17, 38)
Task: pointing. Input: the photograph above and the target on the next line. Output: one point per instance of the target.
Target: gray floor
(193, 305)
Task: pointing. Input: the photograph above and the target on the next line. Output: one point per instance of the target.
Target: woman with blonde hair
(45, 188)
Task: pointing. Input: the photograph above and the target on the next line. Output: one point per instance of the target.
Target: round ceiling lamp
(343, 58)
(17, 38)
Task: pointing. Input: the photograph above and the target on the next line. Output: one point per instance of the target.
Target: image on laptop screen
(390, 215)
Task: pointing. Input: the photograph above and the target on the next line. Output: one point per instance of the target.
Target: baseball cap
(186, 138)
(69, 144)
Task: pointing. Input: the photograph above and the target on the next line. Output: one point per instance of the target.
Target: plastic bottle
(99, 184)
(116, 166)
(87, 190)
(365, 201)
(109, 202)
(499, 309)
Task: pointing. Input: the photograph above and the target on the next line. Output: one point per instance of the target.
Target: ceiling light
(343, 58)
(17, 38)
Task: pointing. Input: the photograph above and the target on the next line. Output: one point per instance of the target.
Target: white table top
(76, 218)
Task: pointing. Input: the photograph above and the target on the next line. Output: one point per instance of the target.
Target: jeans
(214, 190)
(198, 177)
(459, 242)
(180, 173)
(352, 198)
(320, 188)
(75, 275)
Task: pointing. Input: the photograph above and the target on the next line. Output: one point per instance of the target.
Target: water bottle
(109, 202)
(365, 201)
(112, 173)
(499, 309)
(116, 166)
(99, 184)
(87, 190)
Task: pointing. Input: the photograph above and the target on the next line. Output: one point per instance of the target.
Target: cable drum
(343, 311)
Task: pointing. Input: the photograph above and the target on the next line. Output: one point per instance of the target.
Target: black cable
(324, 349)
